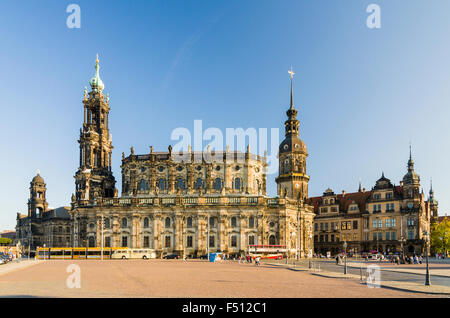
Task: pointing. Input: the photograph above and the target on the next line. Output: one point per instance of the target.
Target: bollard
(360, 273)
(319, 267)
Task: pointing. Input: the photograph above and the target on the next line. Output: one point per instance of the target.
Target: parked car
(171, 256)
(4, 259)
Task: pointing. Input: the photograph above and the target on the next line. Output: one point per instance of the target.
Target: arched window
(179, 184)
(142, 185)
(217, 184)
(211, 222)
(107, 223)
(233, 221)
(189, 222)
(162, 184)
(251, 222)
(167, 222)
(124, 222)
(272, 240)
(146, 222)
(198, 183)
(237, 183)
(91, 241)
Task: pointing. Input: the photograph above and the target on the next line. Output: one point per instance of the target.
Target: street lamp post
(298, 236)
(102, 226)
(345, 257)
(427, 275)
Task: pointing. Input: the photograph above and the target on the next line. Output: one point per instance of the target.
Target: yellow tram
(76, 252)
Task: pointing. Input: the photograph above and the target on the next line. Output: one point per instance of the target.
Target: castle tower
(292, 179)
(411, 183)
(37, 204)
(433, 202)
(94, 178)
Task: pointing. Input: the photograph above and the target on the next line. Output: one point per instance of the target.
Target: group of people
(249, 259)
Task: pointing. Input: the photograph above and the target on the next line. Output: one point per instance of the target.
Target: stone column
(135, 230)
(115, 231)
(242, 239)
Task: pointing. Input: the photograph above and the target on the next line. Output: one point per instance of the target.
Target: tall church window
(189, 222)
(251, 222)
(237, 183)
(179, 184)
(167, 222)
(162, 184)
(146, 222)
(251, 240)
(198, 183)
(107, 223)
(142, 185)
(211, 222)
(233, 241)
(217, 184)
(124, 222)
(233, 221)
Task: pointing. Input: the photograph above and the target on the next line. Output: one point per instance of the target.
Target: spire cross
(291, 72)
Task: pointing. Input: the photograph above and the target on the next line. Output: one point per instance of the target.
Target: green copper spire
(96, 82)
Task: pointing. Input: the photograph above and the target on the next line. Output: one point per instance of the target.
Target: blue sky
(362, 94)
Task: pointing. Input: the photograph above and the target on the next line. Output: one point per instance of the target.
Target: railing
(202, 200)
(190, 200)
(167, 201)
(210, 200)
(234, 200)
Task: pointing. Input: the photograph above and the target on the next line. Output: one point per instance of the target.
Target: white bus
(134, 253)
(267, 251)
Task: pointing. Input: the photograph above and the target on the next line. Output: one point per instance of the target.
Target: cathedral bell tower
(292, 179)
(94, 178)
(37, 204)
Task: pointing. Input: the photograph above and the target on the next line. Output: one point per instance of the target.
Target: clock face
(285, 147)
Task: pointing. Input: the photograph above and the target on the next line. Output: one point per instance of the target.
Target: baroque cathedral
(198, 204)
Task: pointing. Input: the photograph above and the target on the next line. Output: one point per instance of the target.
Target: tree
(5, 241)
(440, 236)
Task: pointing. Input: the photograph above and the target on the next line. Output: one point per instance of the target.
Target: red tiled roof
(344, 200)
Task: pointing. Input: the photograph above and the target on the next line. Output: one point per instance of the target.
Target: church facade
(189, 203)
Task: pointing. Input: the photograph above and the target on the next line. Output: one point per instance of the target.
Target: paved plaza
(175, 278)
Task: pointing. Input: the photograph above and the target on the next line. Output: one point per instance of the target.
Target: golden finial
(96, 61)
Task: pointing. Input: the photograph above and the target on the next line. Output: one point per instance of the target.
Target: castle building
(388, 218)
(188, 203)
